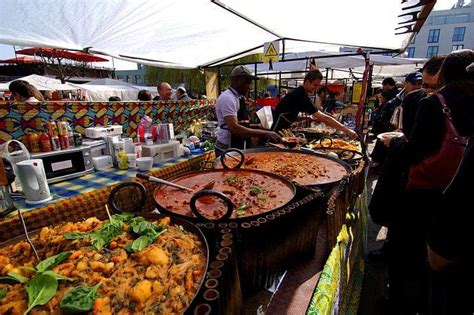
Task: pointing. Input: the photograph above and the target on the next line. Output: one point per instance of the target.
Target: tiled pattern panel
(18, 119)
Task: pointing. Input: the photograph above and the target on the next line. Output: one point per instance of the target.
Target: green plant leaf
(40, 290)
(52, 261)
(28, 268)
(80, 299)
(124, 216)
(75, 235)
(255, 190)
(140, 243)
(18, 277)
(56, 275)
(8, 280)
(242, 207)
(3, 293)
(103, 236)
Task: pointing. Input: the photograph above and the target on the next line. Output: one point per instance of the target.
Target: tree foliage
(193, 79)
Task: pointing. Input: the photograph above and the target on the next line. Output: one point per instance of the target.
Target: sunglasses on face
(429, 86)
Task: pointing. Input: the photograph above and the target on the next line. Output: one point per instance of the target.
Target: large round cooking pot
(303, 167)
(183, 225)
(237, 194)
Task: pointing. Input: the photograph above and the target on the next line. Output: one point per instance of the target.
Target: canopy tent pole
(361, 107)
(279, 84)
(218, 80)
(255, 94)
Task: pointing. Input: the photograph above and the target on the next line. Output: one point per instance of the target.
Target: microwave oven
(66, 164)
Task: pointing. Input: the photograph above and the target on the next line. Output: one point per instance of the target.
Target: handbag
(437, 170)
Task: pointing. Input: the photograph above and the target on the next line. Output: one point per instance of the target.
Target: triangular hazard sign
(271, 51)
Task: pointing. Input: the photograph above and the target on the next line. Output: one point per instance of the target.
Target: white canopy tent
(101, 93)
(42, 83)
(107, 81)
(192, 33)
(332, 60)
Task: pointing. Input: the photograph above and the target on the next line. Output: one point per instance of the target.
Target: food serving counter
(87, 196)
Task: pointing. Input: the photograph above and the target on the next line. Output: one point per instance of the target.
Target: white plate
(392, 134)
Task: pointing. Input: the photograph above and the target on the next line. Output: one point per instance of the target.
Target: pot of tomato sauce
(237, 194)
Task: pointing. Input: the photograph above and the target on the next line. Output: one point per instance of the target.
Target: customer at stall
(392, 179)
(182, 95)
(433, 152)
(144, 95)
(320, 98)
(297, 101)
(23, 91)
(429, 86)
(390, 89)
(114, 99)
(165, 92)
(450, 233)
(382, 122)
(232, 115)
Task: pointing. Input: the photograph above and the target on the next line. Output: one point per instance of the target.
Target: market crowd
(425, 159)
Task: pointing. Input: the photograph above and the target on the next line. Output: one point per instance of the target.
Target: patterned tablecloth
(86, 196)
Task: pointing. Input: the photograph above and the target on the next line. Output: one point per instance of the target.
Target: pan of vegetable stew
(127, 264)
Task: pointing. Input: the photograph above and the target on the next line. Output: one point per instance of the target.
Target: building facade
(444, 32)
(136, 77)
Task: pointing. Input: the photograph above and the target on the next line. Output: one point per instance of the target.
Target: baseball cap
(182, 89)
(242, 71)
(414, 77)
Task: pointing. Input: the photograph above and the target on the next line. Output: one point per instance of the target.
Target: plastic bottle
(138, 150)
(55, 143)
(34, 141)
(144, 129)
(45, 141)
(70, 135)
(122, 160)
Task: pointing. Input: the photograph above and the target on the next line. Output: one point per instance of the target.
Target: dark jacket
(382, 121)
(410, 107)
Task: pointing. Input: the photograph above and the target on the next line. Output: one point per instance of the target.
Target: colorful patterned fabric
(83, 198)
(16, 119)
(339, 287)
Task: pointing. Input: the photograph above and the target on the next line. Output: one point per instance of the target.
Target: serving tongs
(27, 236)
(208, 186)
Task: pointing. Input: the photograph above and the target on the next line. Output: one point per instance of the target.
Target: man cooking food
(298, 101)
(232, 114)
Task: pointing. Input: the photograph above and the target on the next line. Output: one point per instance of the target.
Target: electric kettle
(19, 153)
(33, 181)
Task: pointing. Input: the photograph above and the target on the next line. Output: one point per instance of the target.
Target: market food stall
(326, 222)
(247, 254)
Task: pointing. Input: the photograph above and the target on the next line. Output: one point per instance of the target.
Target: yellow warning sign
(270, 51)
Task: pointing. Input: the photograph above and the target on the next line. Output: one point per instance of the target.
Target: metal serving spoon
(208, 186)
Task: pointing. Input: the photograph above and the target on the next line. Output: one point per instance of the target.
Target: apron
(243, 119)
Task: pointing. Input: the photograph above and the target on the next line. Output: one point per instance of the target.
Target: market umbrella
(61, 53)
(21, 59)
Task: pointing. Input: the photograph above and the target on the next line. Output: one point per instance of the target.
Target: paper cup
(132, 160)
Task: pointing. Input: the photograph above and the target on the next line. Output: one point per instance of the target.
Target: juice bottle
(122, 160)
(53, 129)
(45, 141)
(34, 140)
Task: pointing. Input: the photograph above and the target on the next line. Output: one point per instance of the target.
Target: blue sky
(7, 51)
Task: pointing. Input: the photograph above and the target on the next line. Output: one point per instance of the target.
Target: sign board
(270, 51)
(356, 92)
